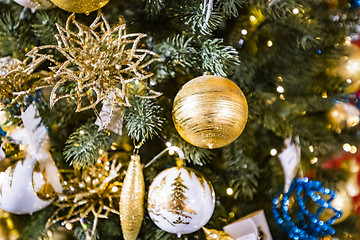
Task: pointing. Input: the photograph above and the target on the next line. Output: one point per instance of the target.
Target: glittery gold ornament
(92, 193)
(213, 234)
(343, 202)
(132, 199)
(103, 63)
(352, 167)
(343, 115)
(210, 111)
(80, 6)
(17, 76)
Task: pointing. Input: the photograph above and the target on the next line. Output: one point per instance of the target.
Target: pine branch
(217, 58)
(44, 28)
(85, 145)
(143, 119)
(15, 36)
(35, 228)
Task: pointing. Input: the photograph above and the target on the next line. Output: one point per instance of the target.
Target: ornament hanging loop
(171, 148)
(137, 147)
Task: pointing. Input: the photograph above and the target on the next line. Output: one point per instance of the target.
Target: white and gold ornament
(35, 4)
(180, 200)
(24, 190)
(28, 186)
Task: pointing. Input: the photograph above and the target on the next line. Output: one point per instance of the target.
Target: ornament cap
(180, 162)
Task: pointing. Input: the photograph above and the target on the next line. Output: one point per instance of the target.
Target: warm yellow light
(68, 226)
(311, 148)
(280, 89)
(282, 97)
(353, 149)
(269, 43)
(244, 32)
(252, 18)
(295, 11)
(324, 95)
(273, 152)
(229, 191)
(314, 160)
(347, 147)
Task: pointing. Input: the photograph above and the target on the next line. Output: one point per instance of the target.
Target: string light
(244, 32)
(314, 160)
(311, 148)
(324, 95)
(348, 80)
(252, 18)
(68, 226)
(269, 43)
(280, 89)
(273, 152)
(353, 149)
(295, 11)
(282, 97)
(168, 144)
(229, 191)
(347, 147)
(82, 132)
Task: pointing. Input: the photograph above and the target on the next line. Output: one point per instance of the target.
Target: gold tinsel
(102, 62)
(94, 190)
(213, 234)
(132, 199)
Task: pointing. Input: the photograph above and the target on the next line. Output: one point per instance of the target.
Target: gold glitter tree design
(177, 203)
(102, 63)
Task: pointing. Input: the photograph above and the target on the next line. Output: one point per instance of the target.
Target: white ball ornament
(180, 200)
(20, 188)
(36, 4)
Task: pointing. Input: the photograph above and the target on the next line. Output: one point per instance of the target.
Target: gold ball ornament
(80, 6)
(343, 202)
(210, 111)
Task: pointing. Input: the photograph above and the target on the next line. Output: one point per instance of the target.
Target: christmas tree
(272, 93)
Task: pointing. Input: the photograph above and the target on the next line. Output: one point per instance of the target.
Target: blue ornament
(2, 132)
(307, 225)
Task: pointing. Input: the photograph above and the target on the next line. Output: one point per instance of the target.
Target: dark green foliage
(305, 46)
(218, 59)
(15, 35)
(143, 119)
(45, 23)
(35, 229)
(81, 234)
(85, 145)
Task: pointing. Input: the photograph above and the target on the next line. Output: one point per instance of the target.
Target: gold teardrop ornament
(132, 199)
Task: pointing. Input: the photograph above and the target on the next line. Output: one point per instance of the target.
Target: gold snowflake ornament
(93, 194)
(101, 63)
